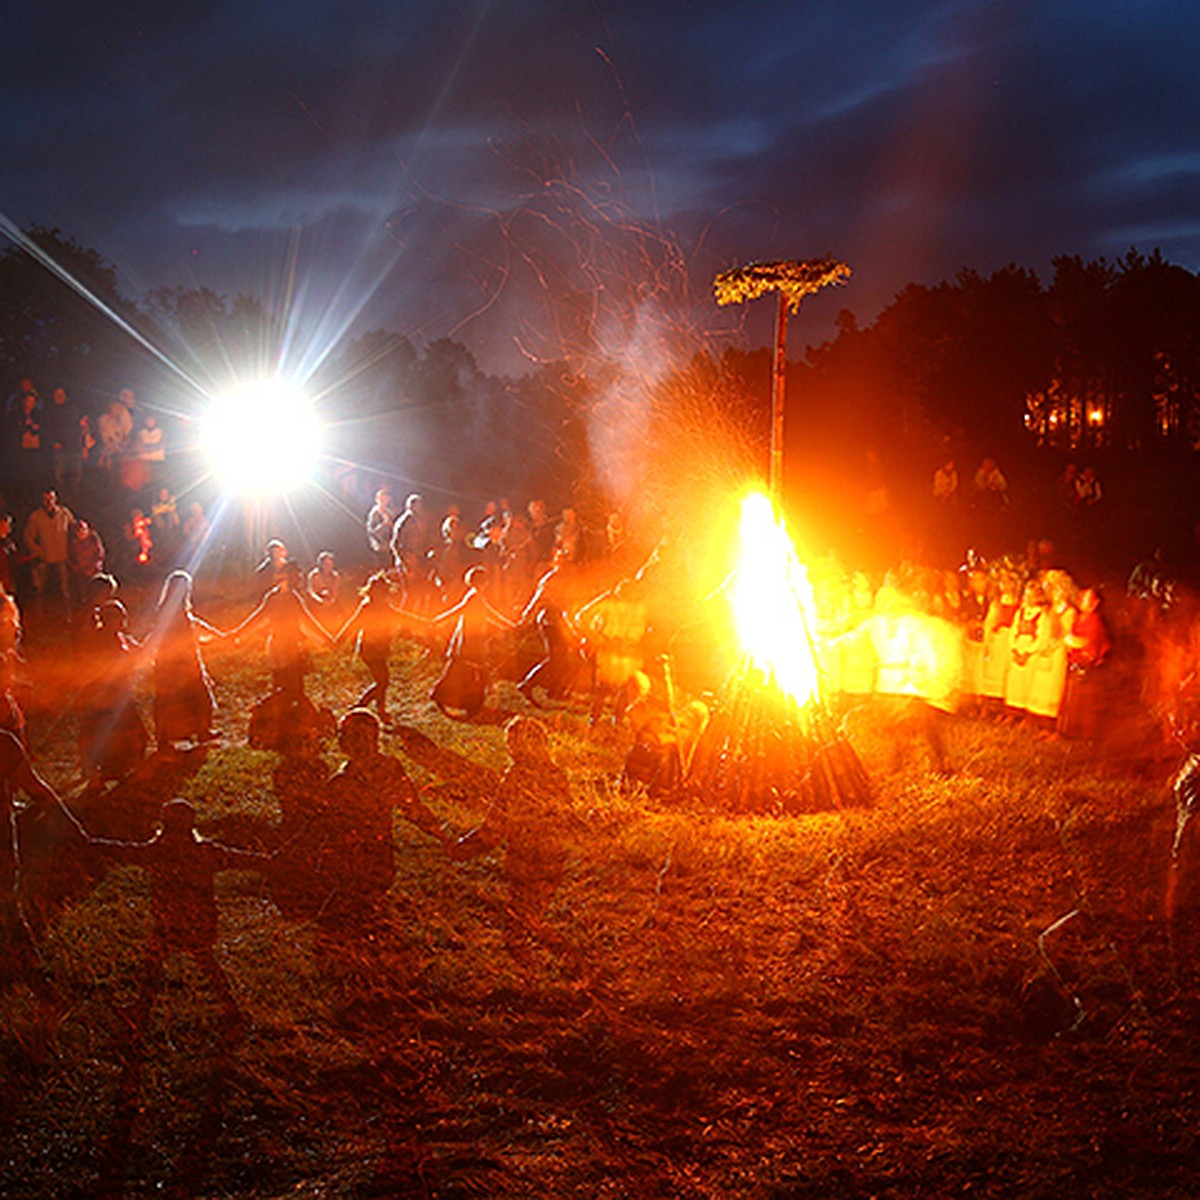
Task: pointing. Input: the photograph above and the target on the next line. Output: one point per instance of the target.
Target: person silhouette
(353, 858)
(527, 817)
(183, 695)
(182, 865)
(31, 836)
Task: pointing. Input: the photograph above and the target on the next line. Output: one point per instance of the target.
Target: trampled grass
(968, 987)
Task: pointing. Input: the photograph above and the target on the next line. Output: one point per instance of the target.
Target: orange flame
(773, 604)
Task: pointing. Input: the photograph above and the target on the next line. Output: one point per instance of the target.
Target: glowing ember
(773, 603)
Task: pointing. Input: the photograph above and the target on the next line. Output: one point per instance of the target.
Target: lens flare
(262, 438)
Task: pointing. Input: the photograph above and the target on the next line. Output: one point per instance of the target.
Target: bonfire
(772, 745)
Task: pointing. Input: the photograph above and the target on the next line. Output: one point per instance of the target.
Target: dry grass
(852, 1004)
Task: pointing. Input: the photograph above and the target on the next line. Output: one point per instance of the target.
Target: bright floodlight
(261, 438)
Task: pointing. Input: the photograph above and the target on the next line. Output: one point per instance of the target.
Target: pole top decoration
(792, 279)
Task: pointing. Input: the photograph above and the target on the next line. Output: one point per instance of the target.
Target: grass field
(968, 988)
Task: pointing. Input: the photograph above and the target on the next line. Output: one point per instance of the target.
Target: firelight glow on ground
(262, 438)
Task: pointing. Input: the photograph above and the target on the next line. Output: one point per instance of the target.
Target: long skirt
(997, 656)
(183, 702)
(1085, 702)
(1046, 686)
(112, 739)
(461, 686)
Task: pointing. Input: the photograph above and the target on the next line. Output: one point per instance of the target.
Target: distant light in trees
(262, 438)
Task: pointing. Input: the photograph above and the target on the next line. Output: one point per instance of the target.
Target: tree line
(1103, 358)
(1106, 356)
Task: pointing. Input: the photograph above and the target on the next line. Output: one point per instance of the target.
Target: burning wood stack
(762, 754)
(771, 745)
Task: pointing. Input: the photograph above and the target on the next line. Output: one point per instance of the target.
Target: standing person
(287, 619)
(452, 559)
(11, 648)
(520, 563)
(10, 626)
(1050, 681)
(989, 501)
(85, 554)
(115, 427)
(12, 715)
(88, 453)
(112, 738)
(972, 616)
(15, 402)
(568, 539)
(135, 463)
(196, 531)
(164, 522)
(410, 546)
(181, 866)
(63, 441)
(151, 449)
(998, 632)
(85, 620)
(379, 524)
(26, 436)
(491, 516)
(10, 556)
(46, 538)
(1089, 644)
(183, 693)
(945, 534)
(133, 470)
(613, 626)
(561, 661)
(270, 567)
(1066, 485)
(17, 774)
(462, 685)
(489, 547)
(324, 583)
(371, 625)
(542, 527)
(1030, 650)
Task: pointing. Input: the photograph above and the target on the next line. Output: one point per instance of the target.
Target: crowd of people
(332, 861)
(1016, 640)
(108, 466)
(445, 582)
(571, 615)
(562, 610)
(1078, 488)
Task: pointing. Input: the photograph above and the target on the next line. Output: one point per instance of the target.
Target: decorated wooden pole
(791, 281)
(778, 392)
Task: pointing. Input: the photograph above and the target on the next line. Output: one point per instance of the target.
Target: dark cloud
(426, 157)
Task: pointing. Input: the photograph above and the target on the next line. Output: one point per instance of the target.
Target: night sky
(531, 176)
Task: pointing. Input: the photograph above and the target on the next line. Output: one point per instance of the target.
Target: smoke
(640, 360)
